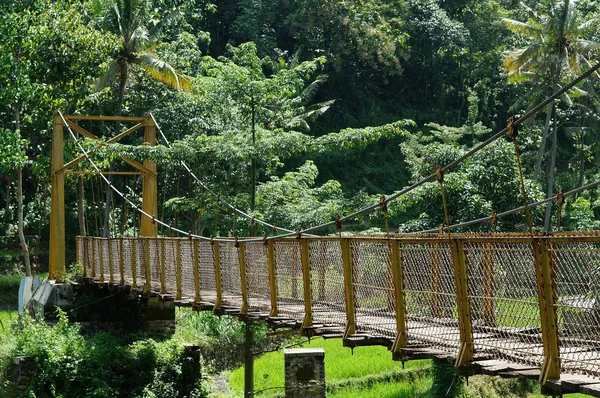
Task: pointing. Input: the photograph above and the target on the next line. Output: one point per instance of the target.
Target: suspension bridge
(511, 304)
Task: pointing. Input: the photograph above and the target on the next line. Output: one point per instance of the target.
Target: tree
(13, 158)
(139, 33)
(557, 51)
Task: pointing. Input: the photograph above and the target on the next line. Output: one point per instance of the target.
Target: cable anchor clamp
(439, 174)
(512, 128)
(383, 204)
(338, 223)
(560, 197)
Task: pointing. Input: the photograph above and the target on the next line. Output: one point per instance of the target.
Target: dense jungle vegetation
(295, 111)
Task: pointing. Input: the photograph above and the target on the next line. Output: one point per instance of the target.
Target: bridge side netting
(208, 286)
(577, 278)
(504, 300)
(257, 277)
(230, 275)
(431, 313)
(327, 283)
(373, 288)
(290, 285)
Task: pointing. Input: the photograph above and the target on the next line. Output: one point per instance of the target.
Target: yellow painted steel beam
(56, 261)
(112, 140)
(241, 248)
(149, 185)
(81, 130)
(141, 167)
(122, 173)
(465, 353)
(547, 302)
(306, 283)
(125, 133)
(401, 340)
(348, 287)
(196, 254)
(272, 273)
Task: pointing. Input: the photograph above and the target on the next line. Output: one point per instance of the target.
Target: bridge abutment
(103, 306)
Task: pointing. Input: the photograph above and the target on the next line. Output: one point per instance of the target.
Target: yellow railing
(523, 299)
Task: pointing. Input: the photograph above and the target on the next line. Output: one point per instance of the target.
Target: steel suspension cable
(142, 212)
(122, 195)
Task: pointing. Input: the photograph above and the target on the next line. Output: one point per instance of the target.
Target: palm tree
(558, 51)
(130, 19)
(139, 36)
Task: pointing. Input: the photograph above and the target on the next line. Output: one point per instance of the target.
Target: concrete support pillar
(304, 373)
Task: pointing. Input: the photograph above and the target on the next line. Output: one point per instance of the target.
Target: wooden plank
(591, 389)
(574, 382)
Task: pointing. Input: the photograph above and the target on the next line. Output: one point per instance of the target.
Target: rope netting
(309, 283)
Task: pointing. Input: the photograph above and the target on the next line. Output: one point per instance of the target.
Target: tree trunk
(542, 149)
(20, 227)
(550, 190)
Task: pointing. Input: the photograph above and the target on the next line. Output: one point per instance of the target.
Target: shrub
(69, 364)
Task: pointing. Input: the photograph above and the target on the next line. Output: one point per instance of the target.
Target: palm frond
(521, 60)
(311, 114)
(522, 28)
(163, 72)
(140, 40)
(155, 30)
(587, 24)
(310, 91)
(585, 46)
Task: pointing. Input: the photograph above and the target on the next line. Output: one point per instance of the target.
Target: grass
(386, 389)
(9, 291)
(369, 366)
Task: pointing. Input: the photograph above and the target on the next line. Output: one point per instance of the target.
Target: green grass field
(369, 367)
